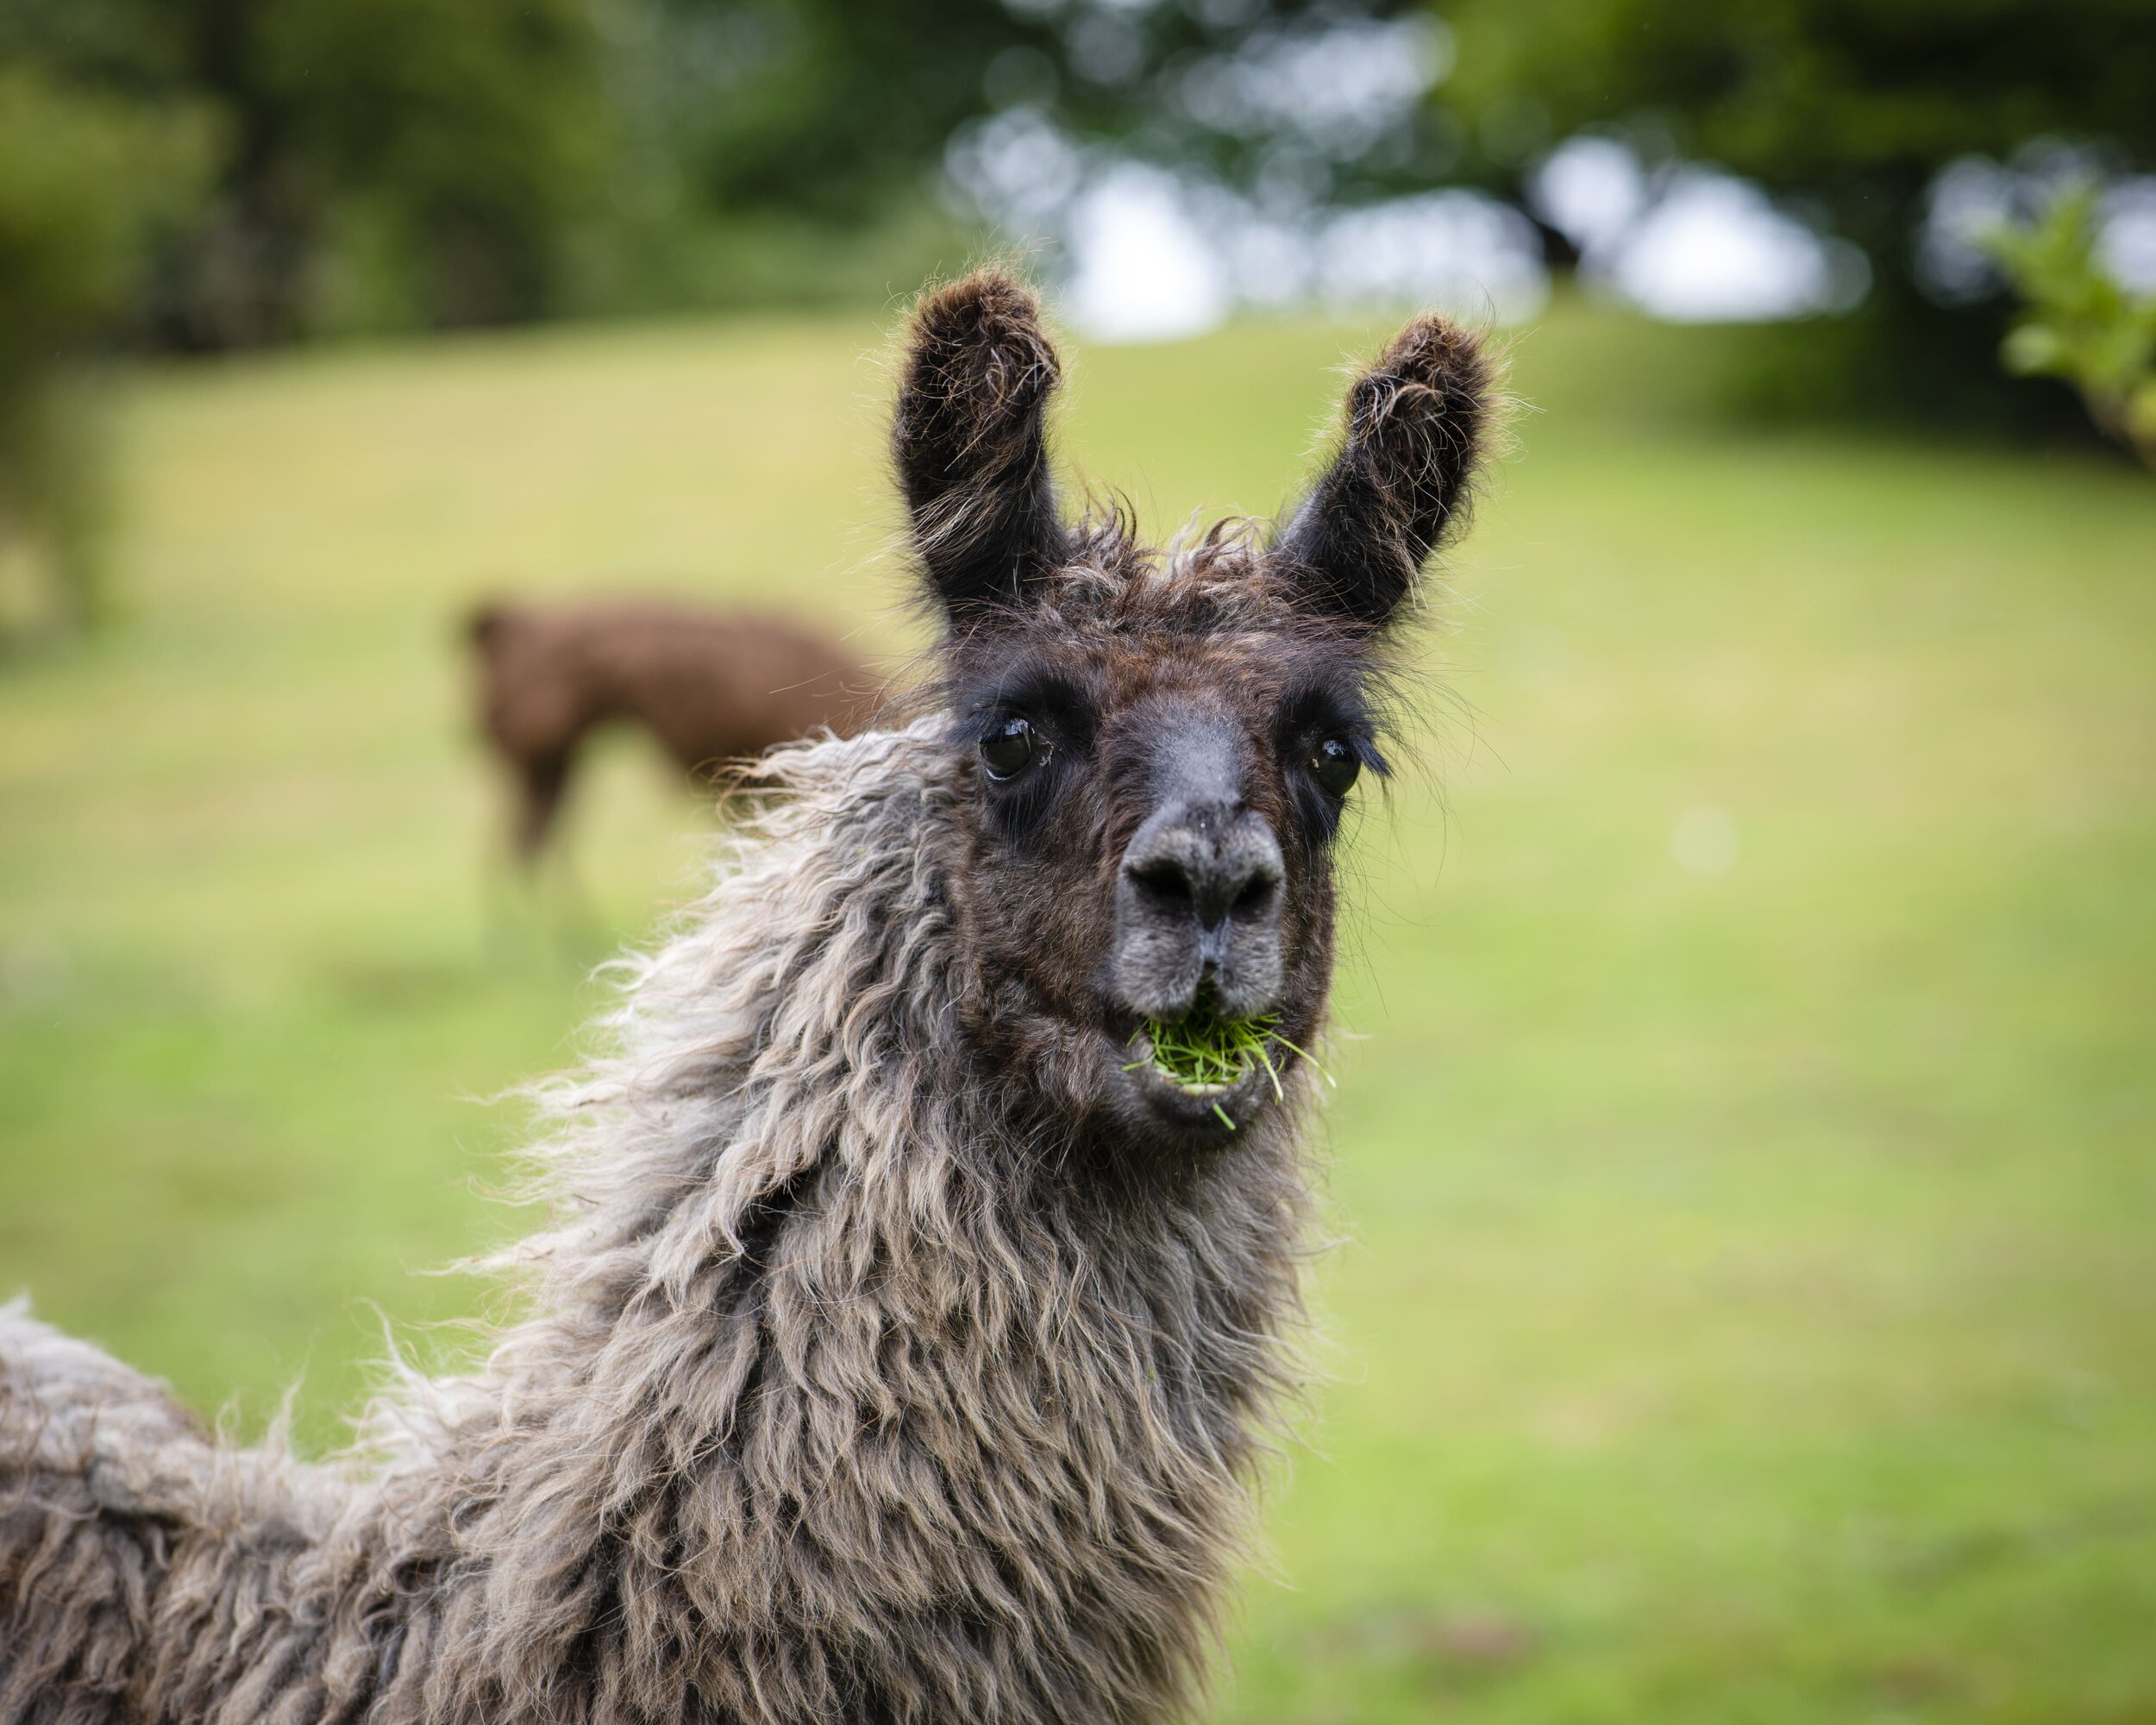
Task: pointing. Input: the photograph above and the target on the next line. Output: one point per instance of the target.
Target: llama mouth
(1208, 1060)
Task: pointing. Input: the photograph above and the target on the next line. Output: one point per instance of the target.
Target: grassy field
(1745, 1152)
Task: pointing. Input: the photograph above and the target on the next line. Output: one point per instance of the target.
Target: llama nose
(1210, 863)
(1199, 906)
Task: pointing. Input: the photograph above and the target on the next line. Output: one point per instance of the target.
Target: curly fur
(846, 1394)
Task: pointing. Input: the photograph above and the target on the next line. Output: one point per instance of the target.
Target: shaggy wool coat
(847, 1391)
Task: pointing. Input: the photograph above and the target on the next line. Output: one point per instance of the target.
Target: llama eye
(1011, 748)
(1335, 764)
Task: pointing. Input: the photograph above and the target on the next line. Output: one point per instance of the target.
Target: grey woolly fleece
(854, 1386)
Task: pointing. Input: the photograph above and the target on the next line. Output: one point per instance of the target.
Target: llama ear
(970, 442)
(1414, 424)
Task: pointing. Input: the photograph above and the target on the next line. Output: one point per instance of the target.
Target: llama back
(148, 1572)
(98, 1467)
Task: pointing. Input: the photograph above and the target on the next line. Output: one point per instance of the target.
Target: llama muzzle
(1198, 895)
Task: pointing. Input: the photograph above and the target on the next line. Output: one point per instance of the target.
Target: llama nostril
(1224, 899)
(1165, 882)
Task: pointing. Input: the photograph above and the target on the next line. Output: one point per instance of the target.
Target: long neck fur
(849, 1390)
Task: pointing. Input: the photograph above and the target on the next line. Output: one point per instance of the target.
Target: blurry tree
(88, 183)
(832, 108)
(2079, 322)
(422, 163)
(780, 151)
(820, 108)
(795, 128)
(220, 173)
(1846, 109)
(381, 161)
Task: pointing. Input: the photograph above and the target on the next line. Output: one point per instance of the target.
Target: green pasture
(1745, 1156)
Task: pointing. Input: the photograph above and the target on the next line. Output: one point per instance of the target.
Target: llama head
(1157, 747)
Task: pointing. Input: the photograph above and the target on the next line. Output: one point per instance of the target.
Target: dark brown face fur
(1160, 746)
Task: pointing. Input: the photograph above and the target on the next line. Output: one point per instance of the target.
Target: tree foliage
(376, 160)
(2078, 323)
(89, 183)
(221, 173)
(1846, 109)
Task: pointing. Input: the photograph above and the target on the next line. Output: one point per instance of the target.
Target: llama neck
(842, 1399)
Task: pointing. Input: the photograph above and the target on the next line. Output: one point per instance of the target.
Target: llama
(713, 687)
(912, 1322)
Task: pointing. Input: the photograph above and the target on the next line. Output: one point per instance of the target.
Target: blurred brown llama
(911, 1325)
(713, 687)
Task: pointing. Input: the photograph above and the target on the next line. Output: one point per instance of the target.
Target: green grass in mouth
(1201, 1052)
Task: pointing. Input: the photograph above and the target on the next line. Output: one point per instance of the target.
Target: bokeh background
(1745, 1152)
